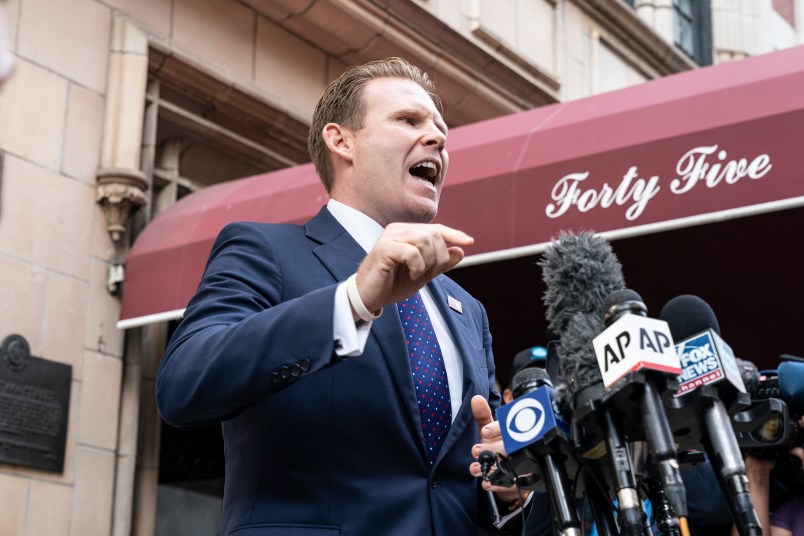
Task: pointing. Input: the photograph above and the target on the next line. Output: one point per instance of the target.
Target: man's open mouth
(425, 170)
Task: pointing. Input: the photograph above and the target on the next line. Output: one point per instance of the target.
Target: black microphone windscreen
(621, 296)
(528, 375)
(579, 271)
(688, 315)
(529, 379)
(621, 302)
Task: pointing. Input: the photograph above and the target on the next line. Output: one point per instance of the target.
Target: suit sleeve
(240, 340)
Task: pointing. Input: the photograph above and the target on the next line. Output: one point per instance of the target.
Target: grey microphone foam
(579, 271)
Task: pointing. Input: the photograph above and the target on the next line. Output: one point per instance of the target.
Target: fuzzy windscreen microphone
(579, 270)
(577, 362)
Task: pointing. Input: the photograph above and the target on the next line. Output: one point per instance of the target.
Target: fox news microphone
(579, 272)
(709, 383)
(535, 436)
(638, 363)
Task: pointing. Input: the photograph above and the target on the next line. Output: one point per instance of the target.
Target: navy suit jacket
(316, 444)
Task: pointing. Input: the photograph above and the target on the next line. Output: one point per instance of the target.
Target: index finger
(454, 236)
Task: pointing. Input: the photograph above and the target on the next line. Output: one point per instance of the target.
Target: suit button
(304, 364)
(434, 484)
(295, 370)
(275, 377)
(284, 372)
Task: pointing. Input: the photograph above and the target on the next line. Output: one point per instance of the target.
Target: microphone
(487, 460)
(638, 363)
(579, 272)
(706, 359)
(535, 436)
(710, 381)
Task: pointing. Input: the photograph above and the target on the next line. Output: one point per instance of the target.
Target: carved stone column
(121, 185)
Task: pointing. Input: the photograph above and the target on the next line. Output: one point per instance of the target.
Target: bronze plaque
(34, 407)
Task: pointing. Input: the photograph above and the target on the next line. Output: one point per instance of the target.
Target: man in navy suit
(293, 341)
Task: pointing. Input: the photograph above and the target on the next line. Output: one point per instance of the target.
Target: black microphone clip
(487, 460)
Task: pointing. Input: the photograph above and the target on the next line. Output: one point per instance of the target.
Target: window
(692, 29)
(200, 131)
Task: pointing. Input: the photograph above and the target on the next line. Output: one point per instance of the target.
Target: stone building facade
(117, 108)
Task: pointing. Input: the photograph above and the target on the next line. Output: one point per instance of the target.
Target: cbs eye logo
(525, 420)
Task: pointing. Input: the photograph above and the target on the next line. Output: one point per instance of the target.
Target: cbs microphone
(536, 438)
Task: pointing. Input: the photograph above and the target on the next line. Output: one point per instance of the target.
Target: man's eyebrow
(420, 111)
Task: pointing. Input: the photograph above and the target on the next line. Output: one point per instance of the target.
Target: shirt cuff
(350, 337)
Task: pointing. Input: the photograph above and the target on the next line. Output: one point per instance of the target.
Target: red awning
(705, 145)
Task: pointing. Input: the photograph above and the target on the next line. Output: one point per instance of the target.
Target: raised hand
(405, 258)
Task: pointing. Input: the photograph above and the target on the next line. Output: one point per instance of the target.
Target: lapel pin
(454, 304)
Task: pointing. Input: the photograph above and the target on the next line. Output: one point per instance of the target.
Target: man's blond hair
(342, 103)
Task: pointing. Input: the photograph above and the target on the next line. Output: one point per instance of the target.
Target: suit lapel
(338, 251)
(341, 254)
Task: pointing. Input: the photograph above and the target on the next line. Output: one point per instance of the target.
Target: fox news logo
(699, 362)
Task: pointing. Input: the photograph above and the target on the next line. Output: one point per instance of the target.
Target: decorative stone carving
(119, 192)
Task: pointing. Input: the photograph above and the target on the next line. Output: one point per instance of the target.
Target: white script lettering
(567, 192)
(694, 166)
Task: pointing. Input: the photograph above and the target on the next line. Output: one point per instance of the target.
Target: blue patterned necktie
(429, 373)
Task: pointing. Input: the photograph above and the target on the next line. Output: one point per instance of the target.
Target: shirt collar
(362, 228)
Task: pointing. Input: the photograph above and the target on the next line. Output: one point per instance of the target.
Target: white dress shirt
(351, 339)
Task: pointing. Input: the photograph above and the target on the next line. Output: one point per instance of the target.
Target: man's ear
(339, 140)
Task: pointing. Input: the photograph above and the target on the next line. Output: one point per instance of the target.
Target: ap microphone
(639, 364)
(710, 381)
(579, 272)
(535, 436)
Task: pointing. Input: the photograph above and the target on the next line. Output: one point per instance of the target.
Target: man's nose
(435, 136)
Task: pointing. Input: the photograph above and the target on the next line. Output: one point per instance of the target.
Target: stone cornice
(474, 82)
(476, 79)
